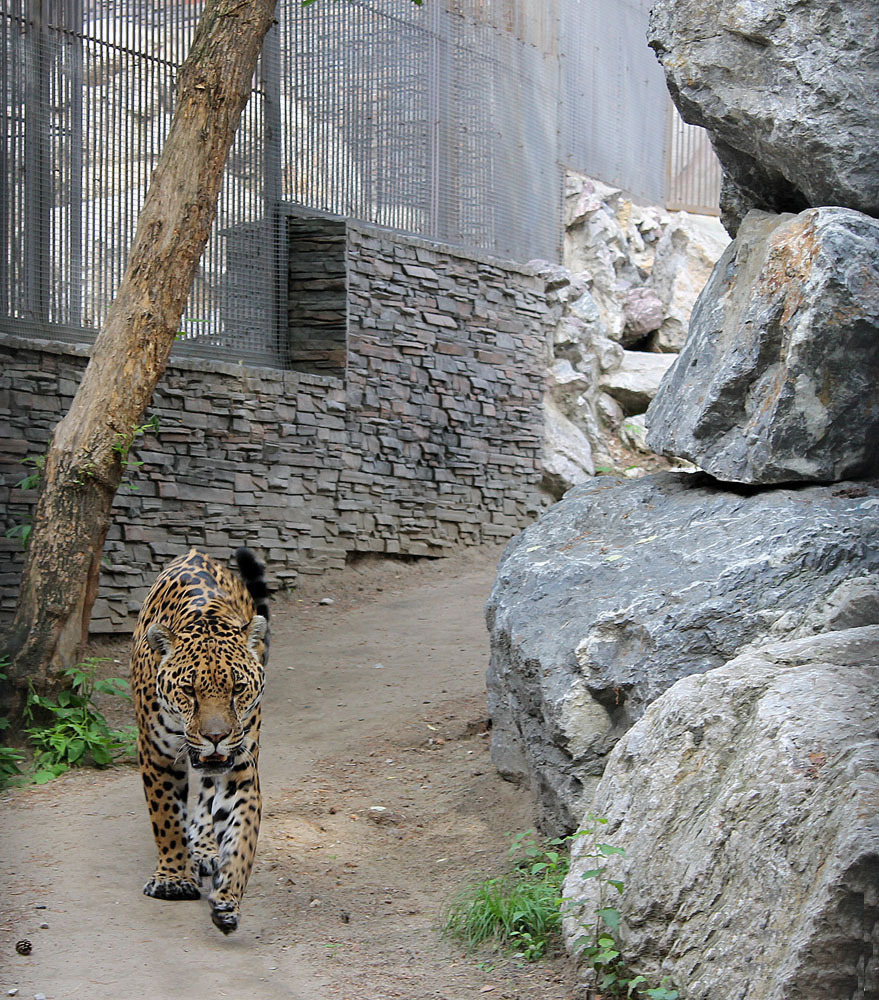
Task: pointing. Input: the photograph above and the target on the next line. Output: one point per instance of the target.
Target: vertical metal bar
(435, 95)
(75, 145)
(7, 157)
(38, 179)
(270, 86)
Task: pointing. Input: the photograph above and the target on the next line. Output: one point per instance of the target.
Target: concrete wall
(431, 440)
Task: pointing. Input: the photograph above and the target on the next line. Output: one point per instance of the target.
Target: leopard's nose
(215, 730)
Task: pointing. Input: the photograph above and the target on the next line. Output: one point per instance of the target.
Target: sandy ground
(380, 802)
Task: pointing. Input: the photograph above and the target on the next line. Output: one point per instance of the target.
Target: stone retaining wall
(431, 440)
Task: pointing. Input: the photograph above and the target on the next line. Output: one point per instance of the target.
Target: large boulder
(786, 90)
(777, 381)
(624, 587)
(747, 802)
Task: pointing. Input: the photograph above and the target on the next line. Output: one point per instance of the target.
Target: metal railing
(693, 170)
(452, 121)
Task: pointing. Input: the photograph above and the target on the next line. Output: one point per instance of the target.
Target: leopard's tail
(253, 573)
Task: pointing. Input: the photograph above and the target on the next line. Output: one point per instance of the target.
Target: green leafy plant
(10, 758)
(518, 911)
(10, 764)
(123, 444)
(22, 530)
(33, 479)
(521, 910)
(599, 946)
(76, 733)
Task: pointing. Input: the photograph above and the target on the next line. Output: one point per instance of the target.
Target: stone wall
(431, 440)
(316, 299)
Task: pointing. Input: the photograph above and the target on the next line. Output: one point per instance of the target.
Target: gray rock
(633, 434)
(596, 244)
(747, 802)
(787, 91)
(635, 383)
(686, 254)
(642, 313)
(777, 381)
(567, 454)
(624, 587)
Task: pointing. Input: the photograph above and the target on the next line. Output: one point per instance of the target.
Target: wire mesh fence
(452, 121)
(693, 171)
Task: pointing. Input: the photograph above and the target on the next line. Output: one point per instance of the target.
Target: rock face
(778, 379)
(624, 587)
(632, 276)
(567, 452)
(747, 801)
(611, 242)
(787, 92)
(635, 383)
(686, 253)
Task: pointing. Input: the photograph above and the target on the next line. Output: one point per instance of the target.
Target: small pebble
(327, 600)
(44, 926)
(23, 947)
(39, 996)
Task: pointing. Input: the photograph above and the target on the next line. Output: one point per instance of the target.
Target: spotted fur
(197, 676)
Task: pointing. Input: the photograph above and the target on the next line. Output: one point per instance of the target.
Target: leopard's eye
(188, 690)
(239, 687)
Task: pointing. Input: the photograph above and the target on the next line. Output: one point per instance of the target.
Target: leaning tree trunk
(85, 458)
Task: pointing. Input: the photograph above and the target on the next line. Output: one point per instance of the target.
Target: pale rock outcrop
(747, 802)
(631, 280)
(624, 587)
(611, 242)
(777, 381)
(787, 92)
(686, 253)
(635, 383)
(567, 452)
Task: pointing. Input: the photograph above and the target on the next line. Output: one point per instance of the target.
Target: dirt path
(380, 801)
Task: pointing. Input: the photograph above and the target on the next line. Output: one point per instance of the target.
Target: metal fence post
(275, 220)
(73, 43)
(38, 194)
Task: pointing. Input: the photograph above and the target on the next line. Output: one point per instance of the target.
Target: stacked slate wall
(444, 387)
(431, 440)
(316, 301)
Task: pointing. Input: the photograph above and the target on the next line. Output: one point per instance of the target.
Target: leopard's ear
(161, 639)
(256, 630)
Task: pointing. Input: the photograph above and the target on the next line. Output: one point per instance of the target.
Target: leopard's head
(211, 677)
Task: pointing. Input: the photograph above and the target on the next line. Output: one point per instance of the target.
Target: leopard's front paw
(171, 887)
(225, 916)
(208, 864)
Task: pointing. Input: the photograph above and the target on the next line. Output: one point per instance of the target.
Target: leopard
(198, 659)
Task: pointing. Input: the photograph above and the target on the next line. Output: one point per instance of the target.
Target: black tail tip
(249, 566)
(253, 573)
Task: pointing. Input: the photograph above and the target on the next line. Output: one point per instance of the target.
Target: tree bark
(86, 454)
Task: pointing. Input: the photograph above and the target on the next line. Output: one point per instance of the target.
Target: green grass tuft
(518, 911)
